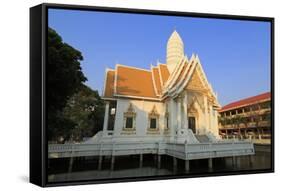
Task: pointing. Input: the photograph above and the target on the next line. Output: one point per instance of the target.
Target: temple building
(172, 101)
(248, 118)
(170, 110)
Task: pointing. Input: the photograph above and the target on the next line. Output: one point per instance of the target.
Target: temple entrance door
(191, 124)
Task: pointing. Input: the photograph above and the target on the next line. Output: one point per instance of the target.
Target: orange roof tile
(156, 77)
(109, 87)
(137, 82)
(246, 101)
(164, 72)
(134, 82)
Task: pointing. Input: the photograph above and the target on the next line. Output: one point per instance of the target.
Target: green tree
(64, 78)
(86, 109)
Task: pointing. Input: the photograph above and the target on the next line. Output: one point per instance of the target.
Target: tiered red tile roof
(164, 72)
(154, 84)
(131, 81)
(247, 101)
(135, 82)
(127, 81)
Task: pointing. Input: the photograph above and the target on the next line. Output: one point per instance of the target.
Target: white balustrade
(182, 151)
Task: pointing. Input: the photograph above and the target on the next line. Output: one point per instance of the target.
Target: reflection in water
(103, 174)
(128, 166)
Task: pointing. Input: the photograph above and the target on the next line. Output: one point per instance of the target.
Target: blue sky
(235, 54)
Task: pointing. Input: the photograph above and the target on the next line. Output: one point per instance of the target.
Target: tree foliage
(86, 109)
(64, 75)
(64, 78)
(74, 110)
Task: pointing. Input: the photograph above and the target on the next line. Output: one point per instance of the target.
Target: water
(128, 167)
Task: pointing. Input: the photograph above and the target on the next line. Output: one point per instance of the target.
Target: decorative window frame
(192, 112)
(129, 113)
(153, 115)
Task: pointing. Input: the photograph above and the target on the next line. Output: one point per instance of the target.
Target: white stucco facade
(173, 109)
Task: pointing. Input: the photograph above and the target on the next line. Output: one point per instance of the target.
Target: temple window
(153, 121)
(129, 120)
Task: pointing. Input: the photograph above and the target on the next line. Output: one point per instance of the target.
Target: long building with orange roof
(249, 118)
(171, 100)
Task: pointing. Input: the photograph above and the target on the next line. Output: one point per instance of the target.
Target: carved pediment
(191, 110)
(154, 112)
(196, 98)
(196, 82)
(130, 111)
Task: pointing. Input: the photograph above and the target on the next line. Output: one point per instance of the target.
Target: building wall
(142, 109)
(206, 120)
(247, 121)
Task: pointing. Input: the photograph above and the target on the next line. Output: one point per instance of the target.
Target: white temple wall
(142, 110)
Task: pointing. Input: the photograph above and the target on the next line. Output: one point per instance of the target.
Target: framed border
(38, 73)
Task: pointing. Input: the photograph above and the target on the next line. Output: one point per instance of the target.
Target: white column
(185, 117)
(105, 122)
(172, 117)
(211, 118)
(179, 113)
(206, 112)
(216, 128)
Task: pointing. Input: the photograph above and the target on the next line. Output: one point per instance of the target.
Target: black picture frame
(38, 72)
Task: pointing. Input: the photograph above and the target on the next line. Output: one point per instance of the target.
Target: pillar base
(159, 161)
(100, 163)
(112, 162)
(234, 161)
(70, 164)
(187, 168)
(251, 160)
(210, 164)
(141, 160)
(175, 163)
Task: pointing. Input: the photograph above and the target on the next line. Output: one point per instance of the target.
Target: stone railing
(182, 151)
